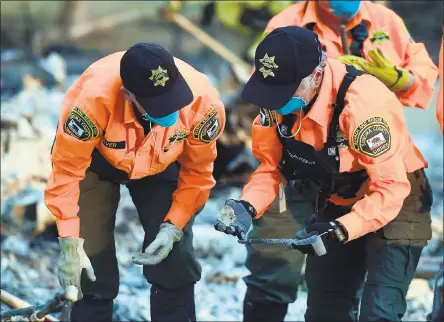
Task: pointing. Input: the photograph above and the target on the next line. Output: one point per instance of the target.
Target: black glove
(235, 218)
(330, 235)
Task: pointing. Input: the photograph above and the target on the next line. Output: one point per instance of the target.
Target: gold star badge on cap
(267, 65)
(159, 76)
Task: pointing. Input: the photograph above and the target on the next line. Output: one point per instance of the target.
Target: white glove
(72, 261)
(159, 249)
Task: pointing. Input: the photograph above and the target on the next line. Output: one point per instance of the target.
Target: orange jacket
(440, 98)
(96, 100)
(402, 50)
(381, 198)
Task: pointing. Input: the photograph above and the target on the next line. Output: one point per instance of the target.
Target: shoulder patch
(80, 126)
(267, 117)
(207, 129)
(372, 137)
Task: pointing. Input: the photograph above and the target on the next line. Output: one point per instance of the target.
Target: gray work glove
(159, 249)
(235, 218)
(72, 261)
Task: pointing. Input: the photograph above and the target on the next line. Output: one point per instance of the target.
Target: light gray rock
(16, 246)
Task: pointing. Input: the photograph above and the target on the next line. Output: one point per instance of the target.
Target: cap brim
(179, 96)
(270, 97)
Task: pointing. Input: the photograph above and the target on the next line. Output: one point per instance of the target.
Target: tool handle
(50, 307)
(267, 241)
(344, 41)
(241, 69)
(207, 40)
(312, 238)
(22, 308)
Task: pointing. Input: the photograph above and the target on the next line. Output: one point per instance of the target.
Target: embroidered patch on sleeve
(372, 137)
(80, 126)
(207, 129)
(267, 117)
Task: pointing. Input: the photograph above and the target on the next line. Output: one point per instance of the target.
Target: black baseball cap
(285, 57)
(149, 72)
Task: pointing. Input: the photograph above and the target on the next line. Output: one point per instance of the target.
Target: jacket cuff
(178, 215)
(352, 222)
(68, 227)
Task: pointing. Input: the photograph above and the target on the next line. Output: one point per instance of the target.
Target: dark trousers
(375, 269)
(334, 281)
(276, 270)
(173, 279)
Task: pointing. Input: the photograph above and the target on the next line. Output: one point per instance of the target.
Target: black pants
(367, 271)
(374, 270)
(173, 279)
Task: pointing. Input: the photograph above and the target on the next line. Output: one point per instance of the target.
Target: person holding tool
(372, 30)
(150, 121)
(322, 151)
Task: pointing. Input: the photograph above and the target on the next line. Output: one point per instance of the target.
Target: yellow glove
(394, 77)
(174, 6)
(354, 61)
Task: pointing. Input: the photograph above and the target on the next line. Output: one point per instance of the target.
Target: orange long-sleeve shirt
(386, 30)
(368, 103)
(109, 125)
(440, 98)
